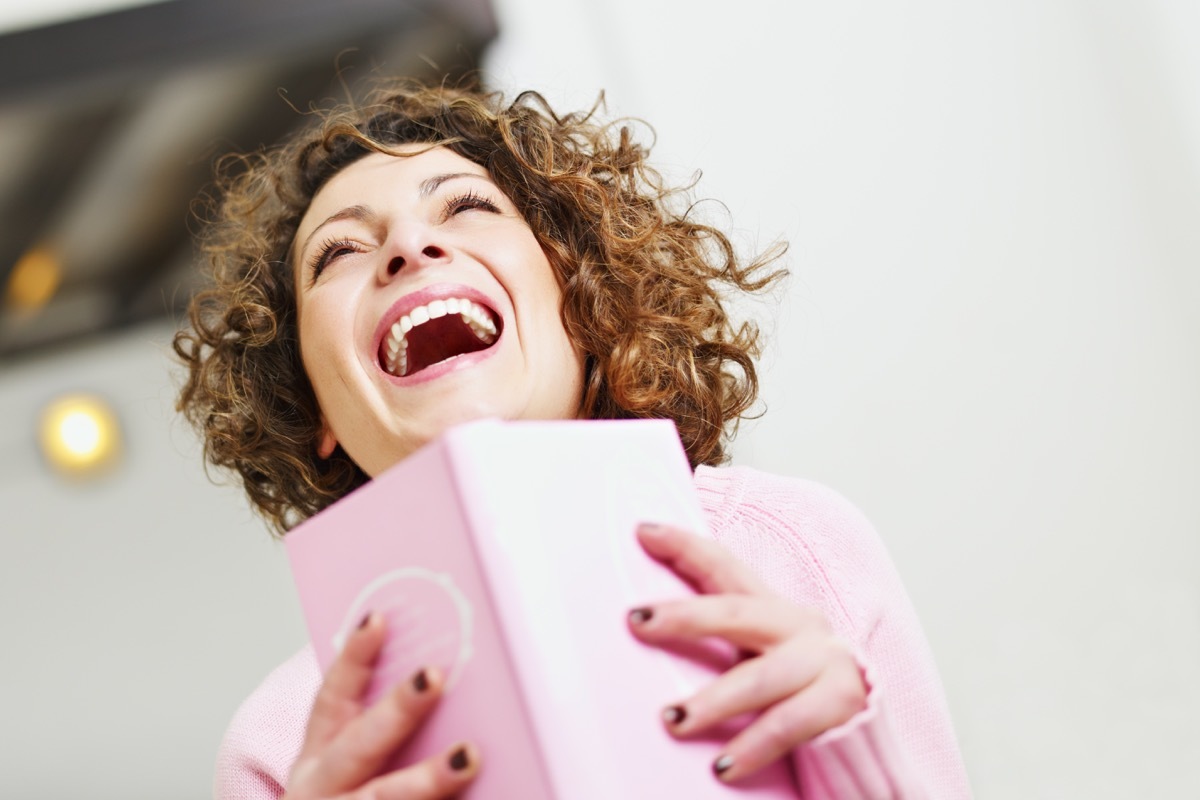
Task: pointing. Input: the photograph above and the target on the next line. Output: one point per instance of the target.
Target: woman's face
(424, 300)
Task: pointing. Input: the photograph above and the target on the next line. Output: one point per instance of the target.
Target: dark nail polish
(674, 714)
(722, 765)
(459, 760)
(365, 620)
(420, 681)
(641, 615)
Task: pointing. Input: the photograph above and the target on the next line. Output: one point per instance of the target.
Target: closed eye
(469, 201)
(329, 251)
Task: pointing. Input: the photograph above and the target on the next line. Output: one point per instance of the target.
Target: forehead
(380, 178)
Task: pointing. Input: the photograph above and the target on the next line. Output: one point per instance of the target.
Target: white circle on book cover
(429, 623)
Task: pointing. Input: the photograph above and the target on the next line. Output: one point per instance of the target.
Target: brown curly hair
(641, 282)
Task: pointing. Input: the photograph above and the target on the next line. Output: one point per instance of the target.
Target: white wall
(990, 339)
(136, 611)
(986, 343)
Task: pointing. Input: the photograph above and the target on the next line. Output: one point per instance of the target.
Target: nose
(427, 253)
(413, 252)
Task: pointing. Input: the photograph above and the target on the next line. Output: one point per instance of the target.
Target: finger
(436, 777)
(751, 622)
(749, 686)
(701, 562)
(363, 747)
(339, 699)
(832, 699)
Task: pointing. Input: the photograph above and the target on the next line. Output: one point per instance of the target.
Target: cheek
(326, 340)
(311, 344)
(327, 314)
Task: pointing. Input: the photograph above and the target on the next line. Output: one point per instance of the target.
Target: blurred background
(989, 341)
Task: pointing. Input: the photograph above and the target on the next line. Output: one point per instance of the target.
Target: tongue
(440, 339)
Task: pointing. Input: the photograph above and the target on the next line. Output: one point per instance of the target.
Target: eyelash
(326, 253)
(468, 200)
(328, 250)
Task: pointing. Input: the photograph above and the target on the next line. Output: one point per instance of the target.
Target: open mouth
(436, 332)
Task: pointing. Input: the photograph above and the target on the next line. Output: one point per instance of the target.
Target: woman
(436, 256)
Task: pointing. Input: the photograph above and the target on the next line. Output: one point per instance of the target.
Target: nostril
(433, 251)
(395, 265)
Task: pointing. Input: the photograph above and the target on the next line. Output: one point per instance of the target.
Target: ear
(327, 441)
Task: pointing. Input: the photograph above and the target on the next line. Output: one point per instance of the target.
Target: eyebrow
(430, 185)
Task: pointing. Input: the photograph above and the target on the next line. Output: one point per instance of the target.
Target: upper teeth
(473, 314)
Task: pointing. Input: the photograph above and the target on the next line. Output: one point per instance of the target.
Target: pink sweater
(811, 546)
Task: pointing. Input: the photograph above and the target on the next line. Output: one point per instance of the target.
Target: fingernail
(674, 714)
(641, 615)
(459, 760)
(365, 620)
(722, 765)
(420, 681)
(649, 527)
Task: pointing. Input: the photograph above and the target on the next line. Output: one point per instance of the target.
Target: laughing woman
(436, 256)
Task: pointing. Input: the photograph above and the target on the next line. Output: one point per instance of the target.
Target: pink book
(504, 553)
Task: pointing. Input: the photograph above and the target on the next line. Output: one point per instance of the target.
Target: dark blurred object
(109, 127)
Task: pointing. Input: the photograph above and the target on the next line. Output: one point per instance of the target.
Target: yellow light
(34, 279)
(80, 435)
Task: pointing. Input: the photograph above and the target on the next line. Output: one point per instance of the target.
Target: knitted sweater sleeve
(264, 737)
(815, 548)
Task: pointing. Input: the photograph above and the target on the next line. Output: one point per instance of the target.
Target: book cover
(504, 553)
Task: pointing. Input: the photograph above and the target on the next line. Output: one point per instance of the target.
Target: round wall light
(80, 435)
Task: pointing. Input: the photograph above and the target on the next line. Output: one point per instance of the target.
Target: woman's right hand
(347, 745)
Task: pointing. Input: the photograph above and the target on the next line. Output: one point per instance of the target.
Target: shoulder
(803, 538)
(735, 496)
(266, 732)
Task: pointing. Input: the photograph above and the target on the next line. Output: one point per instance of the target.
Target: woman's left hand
(797, 673)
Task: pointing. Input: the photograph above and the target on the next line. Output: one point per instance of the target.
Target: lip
(427, 294)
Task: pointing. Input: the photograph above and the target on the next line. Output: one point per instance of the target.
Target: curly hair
(642, 282)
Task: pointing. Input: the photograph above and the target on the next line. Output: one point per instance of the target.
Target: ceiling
(110, 125)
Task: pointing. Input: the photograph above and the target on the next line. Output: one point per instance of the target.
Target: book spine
(471, 484)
